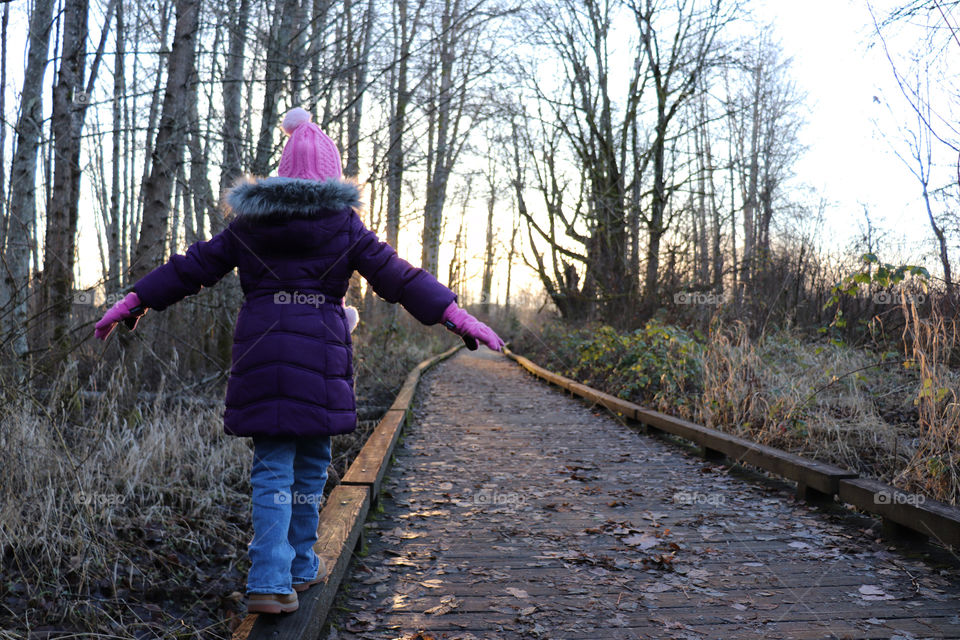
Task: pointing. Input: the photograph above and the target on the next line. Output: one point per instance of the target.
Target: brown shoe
(321, 576)
(272, 602)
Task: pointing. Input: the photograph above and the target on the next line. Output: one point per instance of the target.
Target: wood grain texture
(815, 480)
(512, 511)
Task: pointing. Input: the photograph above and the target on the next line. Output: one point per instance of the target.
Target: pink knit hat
(309, 153)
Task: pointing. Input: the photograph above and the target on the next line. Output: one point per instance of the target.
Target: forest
(612, 185)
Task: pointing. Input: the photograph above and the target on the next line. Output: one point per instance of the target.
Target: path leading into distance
(515, 511)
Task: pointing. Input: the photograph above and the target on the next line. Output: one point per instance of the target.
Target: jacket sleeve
(394, 279)
(203, 265)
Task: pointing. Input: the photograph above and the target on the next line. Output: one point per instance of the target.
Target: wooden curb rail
(900, 511)
(340, 531)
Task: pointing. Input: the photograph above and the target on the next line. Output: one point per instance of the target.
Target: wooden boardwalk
(515, 511)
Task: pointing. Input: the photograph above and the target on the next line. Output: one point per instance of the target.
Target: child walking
(295, 239)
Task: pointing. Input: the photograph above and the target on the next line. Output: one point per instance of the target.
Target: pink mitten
(129, 310)
(470, 329)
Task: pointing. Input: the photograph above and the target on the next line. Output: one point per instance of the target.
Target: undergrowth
(129, 521)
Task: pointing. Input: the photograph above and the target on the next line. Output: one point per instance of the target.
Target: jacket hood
(281, 198)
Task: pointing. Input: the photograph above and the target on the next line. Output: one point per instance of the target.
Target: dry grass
(99, 511)
(845, 405)
(929, 344)
(135, 523)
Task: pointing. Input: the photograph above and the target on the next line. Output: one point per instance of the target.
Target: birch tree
(20, 225)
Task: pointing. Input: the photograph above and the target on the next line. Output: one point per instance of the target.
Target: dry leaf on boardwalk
(433, 583)
(447, 604)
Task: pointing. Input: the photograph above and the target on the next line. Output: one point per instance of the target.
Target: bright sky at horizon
(848, 161)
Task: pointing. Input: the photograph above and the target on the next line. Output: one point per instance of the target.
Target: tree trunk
(277, 52)
(941, 245)
(511, 253)
(113, 226)
(20, 226)
(69, 100)
(200, 189)
(403, 38)
(487, 282)
(170, 133)
(655, 228)
(438, 161)
(232, 90)
(4, 23)
(359, 43)
(137, 221)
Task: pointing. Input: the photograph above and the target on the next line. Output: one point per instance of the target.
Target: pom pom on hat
(309, 153)
(294, 118)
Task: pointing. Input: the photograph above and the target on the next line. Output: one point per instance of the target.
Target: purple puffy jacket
(295, 244)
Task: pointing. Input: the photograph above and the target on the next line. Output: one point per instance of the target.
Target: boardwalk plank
(340, 528)
(533, 514)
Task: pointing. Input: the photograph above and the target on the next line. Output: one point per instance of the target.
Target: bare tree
(459, 60)
(4, 25)
(622, 150)
(358, 41)
(764, 124)
(920, 162)
(493, 187)
(934, 130)
(279, 41)
(20, 223)
(676, 57)
(237, 20)
(71, 97)
(112, 222)
(404, 31)
(170, 137)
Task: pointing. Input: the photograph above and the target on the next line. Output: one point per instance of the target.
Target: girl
(295, 239)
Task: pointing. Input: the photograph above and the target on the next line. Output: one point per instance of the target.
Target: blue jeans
(288, 475)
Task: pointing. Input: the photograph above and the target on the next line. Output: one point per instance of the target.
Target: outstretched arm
(203, 265)
(396, 280)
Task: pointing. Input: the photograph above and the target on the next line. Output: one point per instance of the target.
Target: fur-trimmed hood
(281, 198)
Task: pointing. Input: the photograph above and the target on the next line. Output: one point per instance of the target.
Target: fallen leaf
(447, 604)
(873, 592)
(641, 541)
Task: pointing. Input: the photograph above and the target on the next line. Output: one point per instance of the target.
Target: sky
(847, 161)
